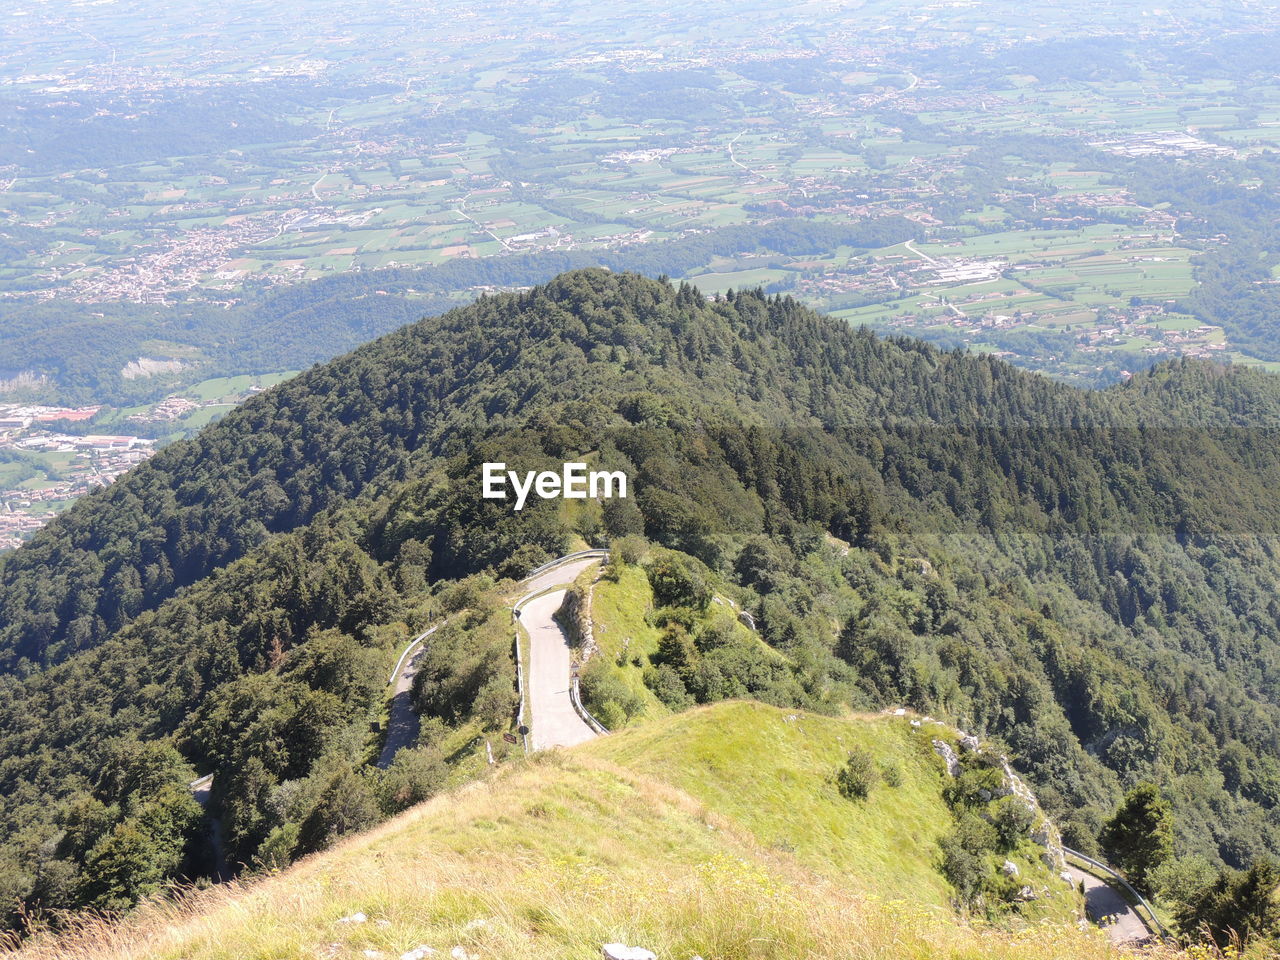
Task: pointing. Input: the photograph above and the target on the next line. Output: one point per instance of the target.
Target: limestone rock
(620, 951)
(1010, 869)
(948, 755)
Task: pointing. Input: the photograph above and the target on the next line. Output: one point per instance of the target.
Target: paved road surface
(552, 719)
(1102, 900)
(403, 723)
(566, 573)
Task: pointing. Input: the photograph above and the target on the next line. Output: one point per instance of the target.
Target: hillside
(1086, 577)
(645, 838)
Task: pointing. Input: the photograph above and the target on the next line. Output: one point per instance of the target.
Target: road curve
(1101, 901)
(552, 720)
(403, 723)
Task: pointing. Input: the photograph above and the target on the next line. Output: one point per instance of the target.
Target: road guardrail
(1151, 921)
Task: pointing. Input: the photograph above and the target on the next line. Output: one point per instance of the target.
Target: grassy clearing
(635, 838)
(623, 637)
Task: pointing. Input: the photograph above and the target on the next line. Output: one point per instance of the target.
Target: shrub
(414, 776)
(679, 581)
(965, 857)
(891, 773)
(1013, 821)
(858, 776)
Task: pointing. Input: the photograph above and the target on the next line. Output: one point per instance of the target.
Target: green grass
(714, 833)
(622, 635)
(887, 843)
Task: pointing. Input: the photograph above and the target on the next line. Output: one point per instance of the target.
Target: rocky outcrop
(948, 755)
(575, 615)
(1043, 832)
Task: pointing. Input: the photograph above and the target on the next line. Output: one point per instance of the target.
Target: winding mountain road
(402, 722)
(553, 721)
(1108, 908)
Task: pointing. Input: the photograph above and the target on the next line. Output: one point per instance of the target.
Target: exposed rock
(948, 755)
(1010, 869)
(620, 951)
(916, 724)
(460, 954)
(900, 712)
(354, 918)
(1067, 877)
(1026, 893)
(149, 367)
(418, 953)
(970, 743)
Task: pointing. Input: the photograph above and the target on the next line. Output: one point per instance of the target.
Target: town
(43, 470)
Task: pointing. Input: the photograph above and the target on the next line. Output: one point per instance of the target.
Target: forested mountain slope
(1087, 576)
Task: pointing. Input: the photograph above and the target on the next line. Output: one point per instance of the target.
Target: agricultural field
(1055, 183)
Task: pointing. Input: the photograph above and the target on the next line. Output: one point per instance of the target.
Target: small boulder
(969, 743)
(620, 951)
(1010, 869)
(418, 953)
(354, 918)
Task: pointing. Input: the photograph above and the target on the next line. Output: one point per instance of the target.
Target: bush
(1013, 821)
(605, 693)
(858, 777)
(667, 686)
(891, 773)
(966, 857)
(628, 551)
(414, 776)
(680, 581)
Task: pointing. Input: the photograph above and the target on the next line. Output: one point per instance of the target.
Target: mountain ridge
(1081, 576)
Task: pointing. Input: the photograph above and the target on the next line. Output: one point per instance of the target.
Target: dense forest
(1086, 577)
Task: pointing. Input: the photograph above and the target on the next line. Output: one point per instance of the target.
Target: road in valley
(402, 722)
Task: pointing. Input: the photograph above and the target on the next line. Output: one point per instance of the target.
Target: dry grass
(549, 859)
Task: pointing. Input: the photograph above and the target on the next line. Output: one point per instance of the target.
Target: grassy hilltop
(717, 833)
